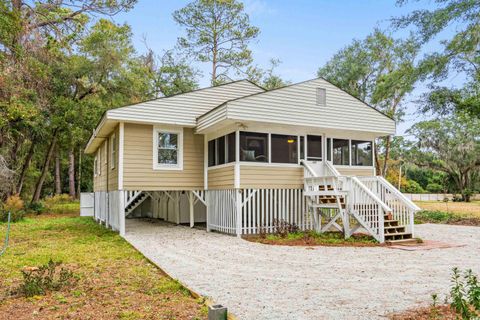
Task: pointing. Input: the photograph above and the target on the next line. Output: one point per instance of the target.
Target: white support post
(237, 160)
(238, 209)
(121, 213)
(177, 206)
(191, 199)
(120, 155)
(205, 162)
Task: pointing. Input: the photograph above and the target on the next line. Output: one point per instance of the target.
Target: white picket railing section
(262, 208)
(221, 210)
(367, 208)
(251, 211)
(403, 209)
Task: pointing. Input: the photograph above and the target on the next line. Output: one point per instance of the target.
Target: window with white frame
(95, 166)
(168, 149)
(221, 150)
(284, 148)
(253, 146)
(362, 153)
(113, 150)
(341, 152)
(99, 160)
(105, 148)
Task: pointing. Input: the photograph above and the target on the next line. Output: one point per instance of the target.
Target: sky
(303, 34)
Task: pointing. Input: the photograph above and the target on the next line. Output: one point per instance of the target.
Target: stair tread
(393, 227)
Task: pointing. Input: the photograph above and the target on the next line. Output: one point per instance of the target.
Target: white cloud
(258, 7)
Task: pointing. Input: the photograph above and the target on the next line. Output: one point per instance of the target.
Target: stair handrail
(399, 194)
(376, 229)
(309, 172)
(130, 196)
(330, 167)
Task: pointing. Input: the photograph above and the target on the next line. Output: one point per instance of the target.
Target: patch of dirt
(117, 292)
(444, 312)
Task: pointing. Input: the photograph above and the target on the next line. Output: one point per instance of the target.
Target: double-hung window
(168, 149)
(113, 150)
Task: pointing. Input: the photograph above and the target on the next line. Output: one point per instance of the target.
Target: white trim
(273, 164)
(120, 154)
(205, 162)
(113, 151)
(236, 181)
(218, 166)
(160, 166)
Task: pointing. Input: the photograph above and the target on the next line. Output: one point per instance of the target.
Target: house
(241, 159)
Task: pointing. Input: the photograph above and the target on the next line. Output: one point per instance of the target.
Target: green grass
(68, 207)
(315, 238)
(437, 216)
(115, 279)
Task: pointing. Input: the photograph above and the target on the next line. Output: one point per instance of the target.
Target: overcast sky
(303, 34)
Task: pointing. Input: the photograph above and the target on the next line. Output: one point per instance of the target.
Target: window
(113, 150)
(105, 156)
(314, 147)
(341, 155)
(221, 150)
(253, 146)
(302, 148)
(211, 152)
(321, 96)
(362, 153)
(284, 148)
(168, 149)
(329, 149)
(95, 166)
(99, 161)
(231, 154)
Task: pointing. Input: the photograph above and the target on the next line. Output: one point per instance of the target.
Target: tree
(218, 32)
(266, 78)
(451, 145)
(381, 71)
(461, 53)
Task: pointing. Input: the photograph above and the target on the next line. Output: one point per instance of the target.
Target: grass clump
(437, 216)
(48, 277)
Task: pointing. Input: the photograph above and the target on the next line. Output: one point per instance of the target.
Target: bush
(434, 188)
(57, 199)
(48, 277)
(465, 294)
(14, 205)
(284, 228)
(36, 207)
(413, 187)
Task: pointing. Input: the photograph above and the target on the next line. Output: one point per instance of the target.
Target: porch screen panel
(211, 153)
(284, 148)
(253, 146)
(341, 152)
(221, 150)
(362, 153)
(314, 147)
(231, 147)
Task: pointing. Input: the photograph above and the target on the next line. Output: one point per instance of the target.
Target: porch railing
(403, 209)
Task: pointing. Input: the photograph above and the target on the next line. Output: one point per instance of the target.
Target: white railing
(367, 208)
(221, 210)
(130, 196)
(403, 209)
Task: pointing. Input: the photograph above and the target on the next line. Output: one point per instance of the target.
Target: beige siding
(138, 162)
(297, 105)
(356, 171)
(100, 181)
(113, 173)
(221, 178)
(270, 177)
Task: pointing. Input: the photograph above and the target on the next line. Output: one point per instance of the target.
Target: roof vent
(321, 96)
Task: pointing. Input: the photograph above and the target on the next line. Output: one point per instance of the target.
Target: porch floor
(258, 281)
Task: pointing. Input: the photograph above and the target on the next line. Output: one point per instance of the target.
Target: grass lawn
(114, 280)
(469, 209)
(460, 213)
(311, 238)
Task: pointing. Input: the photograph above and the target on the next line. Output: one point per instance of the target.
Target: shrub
(465, 294)
(57, 199)
(36, 207)
(283, 228)
(413, 187)
(14, 205)
(434, 187)
(48, 277)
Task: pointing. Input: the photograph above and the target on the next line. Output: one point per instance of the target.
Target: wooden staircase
(396, 233)
(135, 201)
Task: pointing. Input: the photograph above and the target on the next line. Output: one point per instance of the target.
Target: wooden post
(177, 206)
(238, 212)
(191, 198)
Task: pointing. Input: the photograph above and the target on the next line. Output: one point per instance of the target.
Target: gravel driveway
(258, 281)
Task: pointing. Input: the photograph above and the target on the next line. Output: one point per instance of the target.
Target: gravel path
(258, 281)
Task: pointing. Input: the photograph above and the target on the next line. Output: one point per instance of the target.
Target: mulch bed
(310, 241)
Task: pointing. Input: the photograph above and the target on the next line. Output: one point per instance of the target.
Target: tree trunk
(377, 160)
(79, 172)
(58, 184)
(25, 166)
(71, 173)
(43, 175)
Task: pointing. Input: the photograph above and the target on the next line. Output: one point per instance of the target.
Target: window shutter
(321, 97)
